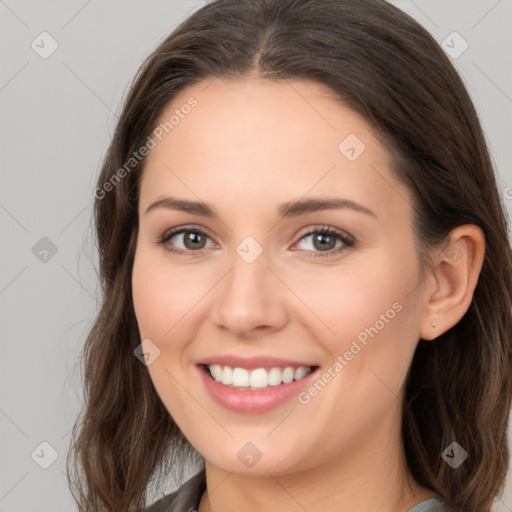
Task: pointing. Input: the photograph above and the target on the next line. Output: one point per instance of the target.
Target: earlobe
(453, 280)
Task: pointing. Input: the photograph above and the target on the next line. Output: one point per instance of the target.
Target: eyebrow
(290, 209)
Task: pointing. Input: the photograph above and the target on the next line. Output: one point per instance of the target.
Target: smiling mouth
(258, 378)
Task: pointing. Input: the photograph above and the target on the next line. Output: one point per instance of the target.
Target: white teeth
(288, 375)
(259, 378)
(300, 372)
(227, 376)
(216, 372)
(274, 376)
(240, 378)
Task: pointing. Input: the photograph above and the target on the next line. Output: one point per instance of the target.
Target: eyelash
(324, 230)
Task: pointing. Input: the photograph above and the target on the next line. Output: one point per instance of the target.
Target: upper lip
(251, 363)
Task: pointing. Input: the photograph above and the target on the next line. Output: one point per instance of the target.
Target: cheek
(344, 301)
(149, 299)
(162, 296)
(161, 299)
(365, 314)
(366, 321)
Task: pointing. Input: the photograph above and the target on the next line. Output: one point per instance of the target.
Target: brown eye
(325, 242)
(185, 240)
(194, 240)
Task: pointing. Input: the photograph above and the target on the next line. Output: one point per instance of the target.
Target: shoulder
(430, 505)
(186, 497)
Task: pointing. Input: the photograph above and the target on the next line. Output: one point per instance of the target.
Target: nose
(250, 301)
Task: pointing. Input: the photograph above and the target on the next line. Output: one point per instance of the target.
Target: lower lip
(246, 400)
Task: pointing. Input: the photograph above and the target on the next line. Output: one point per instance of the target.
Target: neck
(372, 476)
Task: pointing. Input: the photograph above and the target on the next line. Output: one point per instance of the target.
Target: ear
(452, 281)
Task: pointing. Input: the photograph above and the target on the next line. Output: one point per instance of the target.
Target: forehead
(257, 139)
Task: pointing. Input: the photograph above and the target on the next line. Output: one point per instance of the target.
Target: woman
(305, 270)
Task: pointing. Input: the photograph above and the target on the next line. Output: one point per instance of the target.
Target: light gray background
(57, 118)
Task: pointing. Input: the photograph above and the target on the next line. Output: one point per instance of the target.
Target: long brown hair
(382, 64)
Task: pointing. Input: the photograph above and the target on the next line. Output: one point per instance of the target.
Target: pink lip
(254, 401)
(251, 363)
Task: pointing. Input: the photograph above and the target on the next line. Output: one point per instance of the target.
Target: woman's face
(255, 172)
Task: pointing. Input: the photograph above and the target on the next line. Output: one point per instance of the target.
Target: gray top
(188, 496)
